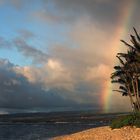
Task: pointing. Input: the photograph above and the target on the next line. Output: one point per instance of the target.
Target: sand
(104, 133)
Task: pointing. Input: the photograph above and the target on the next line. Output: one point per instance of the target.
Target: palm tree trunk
(135, 94)
(131, 98)
(137, 89)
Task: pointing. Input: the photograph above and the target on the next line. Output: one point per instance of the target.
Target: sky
(59, 54)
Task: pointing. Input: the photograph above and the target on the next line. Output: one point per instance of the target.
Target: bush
(128, 120)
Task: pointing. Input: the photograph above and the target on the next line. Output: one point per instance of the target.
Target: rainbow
(122, 30)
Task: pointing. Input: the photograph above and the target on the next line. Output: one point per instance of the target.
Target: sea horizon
(46, 125)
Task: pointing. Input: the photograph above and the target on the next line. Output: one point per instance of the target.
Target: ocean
(44, 126)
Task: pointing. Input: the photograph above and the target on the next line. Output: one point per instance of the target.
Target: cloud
(18, 4)
(26, 34)
(50, 75)
(17, 92)
(101, 12)
(101, 71)
(37, 55)
(5, 44)
(89, 59)
(46, 16)
(73, 72)
(20, 43)
(56, 76)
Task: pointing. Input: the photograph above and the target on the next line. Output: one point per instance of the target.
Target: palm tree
(122, 77)
(128, 73)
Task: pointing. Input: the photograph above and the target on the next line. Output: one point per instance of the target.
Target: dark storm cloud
(17, 92)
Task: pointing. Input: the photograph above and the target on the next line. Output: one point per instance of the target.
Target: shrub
(128, 120)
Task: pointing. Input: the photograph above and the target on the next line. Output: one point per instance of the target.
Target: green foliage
(128, 120)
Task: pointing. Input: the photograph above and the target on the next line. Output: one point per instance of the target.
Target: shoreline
(104, 133)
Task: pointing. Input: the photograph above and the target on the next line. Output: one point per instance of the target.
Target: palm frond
(121, 61)
(138, 37)
(127, 44)
(123, 88)
(117, 67)
(134, 41)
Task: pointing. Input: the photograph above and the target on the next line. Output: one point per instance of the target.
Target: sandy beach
(104, 133)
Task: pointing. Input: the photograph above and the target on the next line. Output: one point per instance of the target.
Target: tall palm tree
(122, 77)
(128, 73)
